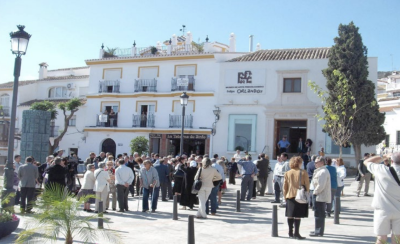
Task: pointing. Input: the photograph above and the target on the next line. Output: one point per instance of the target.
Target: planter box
(8, 228)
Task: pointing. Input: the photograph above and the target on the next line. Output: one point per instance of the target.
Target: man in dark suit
(263, 170)
(28, 175)
(162, 169)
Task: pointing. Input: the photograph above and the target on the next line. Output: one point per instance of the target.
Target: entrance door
(293, 130)
(109, 146)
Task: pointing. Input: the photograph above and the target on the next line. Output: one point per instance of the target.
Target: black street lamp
(19, 45)
(184, 101)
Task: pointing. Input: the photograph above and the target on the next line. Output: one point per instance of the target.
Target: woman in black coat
(56, 174)
(179, 178)
(187, 198)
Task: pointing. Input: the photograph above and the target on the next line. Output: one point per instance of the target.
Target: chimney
(251, 43)
(232, 42)
(174, 40)
(189, 38)
(258, 47)
(43, 70)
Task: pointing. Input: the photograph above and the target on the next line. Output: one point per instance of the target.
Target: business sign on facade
(153, 135)
(245, 81)
(182, 82)
(190, 137)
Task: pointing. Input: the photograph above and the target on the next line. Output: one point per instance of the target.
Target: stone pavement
(251, 225)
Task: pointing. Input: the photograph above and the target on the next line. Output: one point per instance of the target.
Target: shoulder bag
(302, 194)
(197, 184)
(394, 174)
(179, 173)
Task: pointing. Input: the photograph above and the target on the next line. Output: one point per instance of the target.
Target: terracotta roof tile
(284, 54)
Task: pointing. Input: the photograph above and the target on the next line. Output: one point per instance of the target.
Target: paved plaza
(251, 225)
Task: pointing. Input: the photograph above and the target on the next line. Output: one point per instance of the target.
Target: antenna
(183, 29)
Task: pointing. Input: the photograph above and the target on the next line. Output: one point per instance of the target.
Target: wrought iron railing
(157, 50)
(182, 84)
(53, 131)
(104, 120)
(109, 86)
(175, 121)
(146, 85)
(142, 120)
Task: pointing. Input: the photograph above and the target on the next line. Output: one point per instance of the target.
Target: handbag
(197, 184)
(179, 173)
(302, 195)
(217, 183)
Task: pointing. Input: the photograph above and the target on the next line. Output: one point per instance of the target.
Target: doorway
(190, 146)
(109, 145)
(293, 130)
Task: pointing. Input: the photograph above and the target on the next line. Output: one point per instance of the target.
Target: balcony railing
(156, 50)
(146, 85)
(109, 86)
(393, 86)
(5, 111)
(142, 120)
(53, 131)
(182, 84)
(104, 120)
(175, 121)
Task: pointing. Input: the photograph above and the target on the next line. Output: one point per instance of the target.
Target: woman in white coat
(207, 175)
(101, 186)
(341, 175)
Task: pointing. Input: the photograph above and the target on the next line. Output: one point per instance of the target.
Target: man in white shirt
(386, 200)
(17, 162)
(238, 157)
(278, 179)
(123, 178)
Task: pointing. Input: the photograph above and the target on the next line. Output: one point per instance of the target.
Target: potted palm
(153, 50)
(8, 220)
(58, 215)
(110, 53)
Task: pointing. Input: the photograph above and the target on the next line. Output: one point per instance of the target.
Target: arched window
(58, 92)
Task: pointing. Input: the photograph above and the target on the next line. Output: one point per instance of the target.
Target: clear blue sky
(65, 33)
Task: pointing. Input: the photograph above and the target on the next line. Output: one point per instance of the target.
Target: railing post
(100, 216)
(275, 221)
(337, 209)
(191, 230)
(175, 208)
(238, 201)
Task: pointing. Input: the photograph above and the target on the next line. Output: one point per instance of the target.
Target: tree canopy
(140, 145)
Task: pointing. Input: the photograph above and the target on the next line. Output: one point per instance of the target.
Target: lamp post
(19, 45)
(184, 101)
(247, 142)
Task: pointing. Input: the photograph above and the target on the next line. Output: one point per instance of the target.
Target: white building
(389, 103)
(264, 95)
(54, 85)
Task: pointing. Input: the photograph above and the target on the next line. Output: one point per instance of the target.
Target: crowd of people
(145, 176)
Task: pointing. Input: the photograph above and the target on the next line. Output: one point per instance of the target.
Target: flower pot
(8, 228)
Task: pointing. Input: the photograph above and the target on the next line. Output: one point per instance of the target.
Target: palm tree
(111, 52)
(58, 215)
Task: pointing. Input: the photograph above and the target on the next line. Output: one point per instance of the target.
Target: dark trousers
(319, 214)
(254, 189)
(17, 197)
(132, 188)
(169, 189)
(282, 150)
(247, 186)
(277, 189)
(232, 175)
(27, 196)
(263, 183)
(310, 200)
(154, 198)
(329, 204)
(122, 196)
(163, 187)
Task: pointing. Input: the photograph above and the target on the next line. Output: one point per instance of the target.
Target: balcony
(145, 85)
(104, 120)
(109, 86)
(175, 121)
(182, 84)
(53, 131)
(5, 111)
(143, 120)
(393, 86)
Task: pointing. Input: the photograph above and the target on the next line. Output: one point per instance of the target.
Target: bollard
(100, 215)
(275, 221)
(238, 201)
(337, 209)
(175, 208)
(191, 229)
